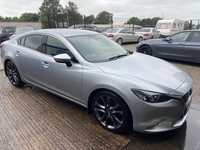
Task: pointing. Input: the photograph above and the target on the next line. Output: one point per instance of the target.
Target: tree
(103, 17)
(144, 21)
(136, 21)
(49, 7)
(74, 15)
(1, 18)
(89, 19)
(29, 17)
(187, 25)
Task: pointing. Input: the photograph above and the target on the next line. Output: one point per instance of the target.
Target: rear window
(111, 30)
(8, 29)
(144, 30)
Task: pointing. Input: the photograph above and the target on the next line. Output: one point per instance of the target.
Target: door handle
(45, 64)
(17, 53)
(181, 44)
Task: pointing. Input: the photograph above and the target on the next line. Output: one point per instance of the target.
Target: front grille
(187, 95)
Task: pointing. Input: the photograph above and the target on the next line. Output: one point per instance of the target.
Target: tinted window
(129, 31)
(34, 42)
(196, 37)
(22, 40)
(8, 29)
(180, 37)
(55, 47)
(111, 30)
(123, 31)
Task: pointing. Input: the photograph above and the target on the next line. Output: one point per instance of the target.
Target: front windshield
(20, 31)
(96, 48)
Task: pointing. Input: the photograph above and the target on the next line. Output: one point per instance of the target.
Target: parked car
(6, 32)
(19, 31)
(181, 46)
(123, 35)
(102, 29)
(149, 33)
(120, 87)
(84, 27)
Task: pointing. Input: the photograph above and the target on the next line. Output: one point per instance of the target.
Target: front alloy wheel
(110, 111)
(13, 74)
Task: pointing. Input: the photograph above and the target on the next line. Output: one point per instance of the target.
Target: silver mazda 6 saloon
(119, 87)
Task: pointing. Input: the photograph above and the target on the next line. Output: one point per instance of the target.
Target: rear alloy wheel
(119, 41)
(13, 74)
(140, 39)
(110, 111)
(145, 50)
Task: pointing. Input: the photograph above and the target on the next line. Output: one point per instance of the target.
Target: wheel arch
(147, 46)
(5, 63)
(93, 93)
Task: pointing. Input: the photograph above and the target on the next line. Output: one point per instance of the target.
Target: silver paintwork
(128, 36)
(152, 34)
(76, 83)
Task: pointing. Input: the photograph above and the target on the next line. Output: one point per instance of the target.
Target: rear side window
(21, 41)
(34, 42)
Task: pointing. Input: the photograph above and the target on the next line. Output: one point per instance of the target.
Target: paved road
(31, 118)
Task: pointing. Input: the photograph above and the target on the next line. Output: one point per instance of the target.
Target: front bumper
(163, 116)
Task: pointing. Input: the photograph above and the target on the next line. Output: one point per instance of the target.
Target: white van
(168, 27)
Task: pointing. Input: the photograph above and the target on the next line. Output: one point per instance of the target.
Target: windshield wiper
(118, 56)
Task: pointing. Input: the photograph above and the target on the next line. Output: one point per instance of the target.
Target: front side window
(55, 47)
(34, 42)
(180, 37)
(196, 37)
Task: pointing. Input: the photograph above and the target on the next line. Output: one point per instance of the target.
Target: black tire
(111, 112)
(152, 37)
(140, 39)
(13, 74)
(160, 36)
(145, 50)
(119, 41)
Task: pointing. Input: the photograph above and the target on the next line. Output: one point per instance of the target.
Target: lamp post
(67, 17)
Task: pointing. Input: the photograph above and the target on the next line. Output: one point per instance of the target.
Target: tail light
(99, 31)
(146, 34)
(110, 35)
(1, 32)
(1, 45)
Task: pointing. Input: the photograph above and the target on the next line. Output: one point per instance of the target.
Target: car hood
(146, 72)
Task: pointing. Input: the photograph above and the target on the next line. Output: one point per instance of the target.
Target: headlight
(152, 97)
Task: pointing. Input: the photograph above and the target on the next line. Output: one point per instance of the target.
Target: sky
(122, 10)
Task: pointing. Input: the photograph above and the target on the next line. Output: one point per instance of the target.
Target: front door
(59, 77)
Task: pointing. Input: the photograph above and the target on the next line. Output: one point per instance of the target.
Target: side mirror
(168, 39)
(63, 58)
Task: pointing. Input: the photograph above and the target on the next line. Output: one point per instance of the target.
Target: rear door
(124, 35)
(191, 51)
(173, 49)
(27, 57)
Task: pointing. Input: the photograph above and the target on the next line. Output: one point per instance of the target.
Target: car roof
(64, 32)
